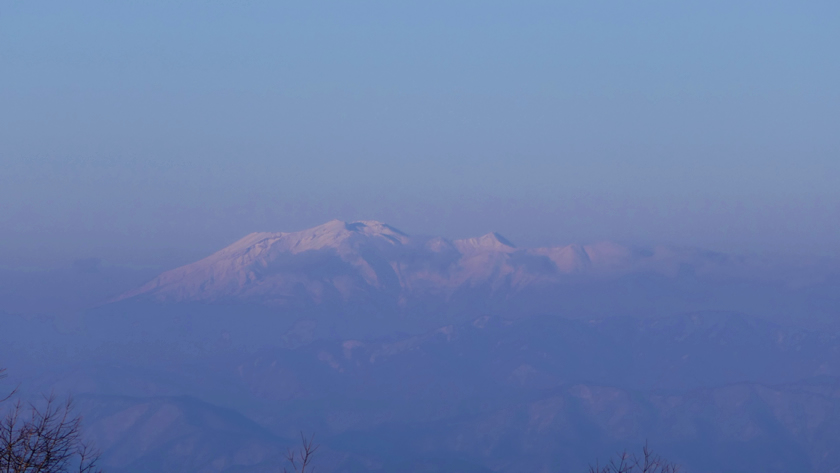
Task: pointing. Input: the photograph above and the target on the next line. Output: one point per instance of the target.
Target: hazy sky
(129, 127)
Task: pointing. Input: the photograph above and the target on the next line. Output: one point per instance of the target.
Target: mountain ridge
(338, 262)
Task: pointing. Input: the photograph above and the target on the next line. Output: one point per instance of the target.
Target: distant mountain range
(342, 260)
(367, 278)
(422, 354)
(717, 392)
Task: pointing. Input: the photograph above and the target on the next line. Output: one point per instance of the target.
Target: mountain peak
(335, 232)
(372, 227)
(497, 239)
(489, 242)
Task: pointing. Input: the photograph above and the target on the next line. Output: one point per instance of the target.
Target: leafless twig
(13, 392)
(300, 459)
(44, 439)
(649, 462)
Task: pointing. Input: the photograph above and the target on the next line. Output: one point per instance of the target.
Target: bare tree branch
(45, 439)
(649, 462)
(13, 392)
(300, 459)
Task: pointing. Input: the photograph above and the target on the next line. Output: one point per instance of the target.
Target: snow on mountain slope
(342, 260)
(280, 265)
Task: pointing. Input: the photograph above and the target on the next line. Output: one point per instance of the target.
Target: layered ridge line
(350, 259)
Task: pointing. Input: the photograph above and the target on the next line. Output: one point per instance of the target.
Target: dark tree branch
(649, 462)
(44, 439)
(300, 459)
(14, 391)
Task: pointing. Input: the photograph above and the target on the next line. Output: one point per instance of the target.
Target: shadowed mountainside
(494, 394)
(417, 354)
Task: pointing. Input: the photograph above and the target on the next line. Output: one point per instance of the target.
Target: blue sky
(131, 127)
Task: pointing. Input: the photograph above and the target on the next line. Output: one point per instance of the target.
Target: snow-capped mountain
(350, 260)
